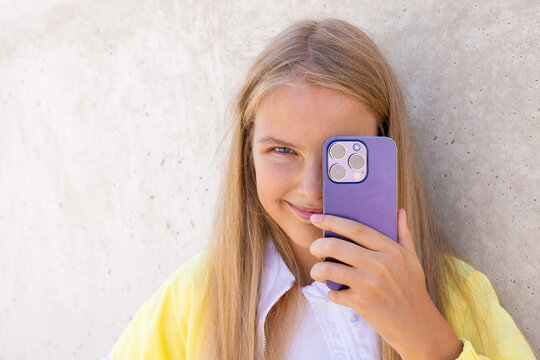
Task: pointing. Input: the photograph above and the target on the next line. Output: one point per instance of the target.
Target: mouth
(304, 213)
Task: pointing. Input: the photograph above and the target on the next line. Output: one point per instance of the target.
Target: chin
(305, 234)
(301, 232)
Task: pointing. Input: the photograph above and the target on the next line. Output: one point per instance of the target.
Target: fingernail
(315, 217)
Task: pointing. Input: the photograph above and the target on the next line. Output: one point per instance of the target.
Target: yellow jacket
(167, 326)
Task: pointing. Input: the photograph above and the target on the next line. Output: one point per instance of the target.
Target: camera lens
(337, 151)
(356, 161)
(337, 172)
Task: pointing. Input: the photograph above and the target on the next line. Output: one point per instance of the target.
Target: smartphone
(360, 183)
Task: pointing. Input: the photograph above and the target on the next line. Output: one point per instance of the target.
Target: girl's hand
(386, 287)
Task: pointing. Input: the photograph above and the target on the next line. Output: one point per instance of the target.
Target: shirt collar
(278, 279)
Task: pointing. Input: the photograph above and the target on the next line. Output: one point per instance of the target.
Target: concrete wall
(111, 116)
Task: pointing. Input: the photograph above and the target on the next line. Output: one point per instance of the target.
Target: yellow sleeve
(507, 342)
(159, 329)
(468, 352)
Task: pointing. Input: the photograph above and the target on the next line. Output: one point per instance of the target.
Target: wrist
(447, 349)
(438, 342)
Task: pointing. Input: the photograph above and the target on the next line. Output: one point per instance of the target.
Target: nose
(310, 186)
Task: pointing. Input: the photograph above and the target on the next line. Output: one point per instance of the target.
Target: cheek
(273, 181)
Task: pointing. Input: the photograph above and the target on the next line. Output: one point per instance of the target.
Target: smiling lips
(303, 212)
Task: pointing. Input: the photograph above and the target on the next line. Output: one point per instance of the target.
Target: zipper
(264, 323)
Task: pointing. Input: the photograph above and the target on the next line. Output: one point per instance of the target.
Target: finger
(404, 233)
(342, 297)
(342, 250)
(328, 270)
(355, 231)
(345, 297)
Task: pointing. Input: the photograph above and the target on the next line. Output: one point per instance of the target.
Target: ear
(404, 233)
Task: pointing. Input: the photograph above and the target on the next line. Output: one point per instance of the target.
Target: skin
(386, 279)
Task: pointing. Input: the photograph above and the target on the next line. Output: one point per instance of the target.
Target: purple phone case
(373, 201)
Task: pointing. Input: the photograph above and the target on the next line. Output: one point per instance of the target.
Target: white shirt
(328, 330)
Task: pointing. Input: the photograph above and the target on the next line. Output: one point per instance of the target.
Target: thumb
(404, 234)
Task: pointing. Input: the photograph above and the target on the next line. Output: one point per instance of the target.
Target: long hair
(340, 56)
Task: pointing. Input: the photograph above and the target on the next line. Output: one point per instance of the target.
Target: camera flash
(356, 176)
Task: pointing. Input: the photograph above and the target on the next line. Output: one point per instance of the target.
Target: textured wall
(111, 116)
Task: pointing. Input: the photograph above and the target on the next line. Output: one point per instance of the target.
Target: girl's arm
(507, 342)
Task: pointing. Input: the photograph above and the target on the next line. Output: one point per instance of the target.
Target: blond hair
(337, 55)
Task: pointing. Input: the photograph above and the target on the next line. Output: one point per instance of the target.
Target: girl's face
(291, 125)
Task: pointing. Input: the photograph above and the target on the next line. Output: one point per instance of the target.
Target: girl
(258, 292)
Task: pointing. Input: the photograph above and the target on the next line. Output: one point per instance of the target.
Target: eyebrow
(270, 139)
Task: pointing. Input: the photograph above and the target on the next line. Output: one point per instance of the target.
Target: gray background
(111, 116)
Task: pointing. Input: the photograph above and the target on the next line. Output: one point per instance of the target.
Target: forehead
(306, 115)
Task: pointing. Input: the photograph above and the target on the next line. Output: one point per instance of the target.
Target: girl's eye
(283, 152)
